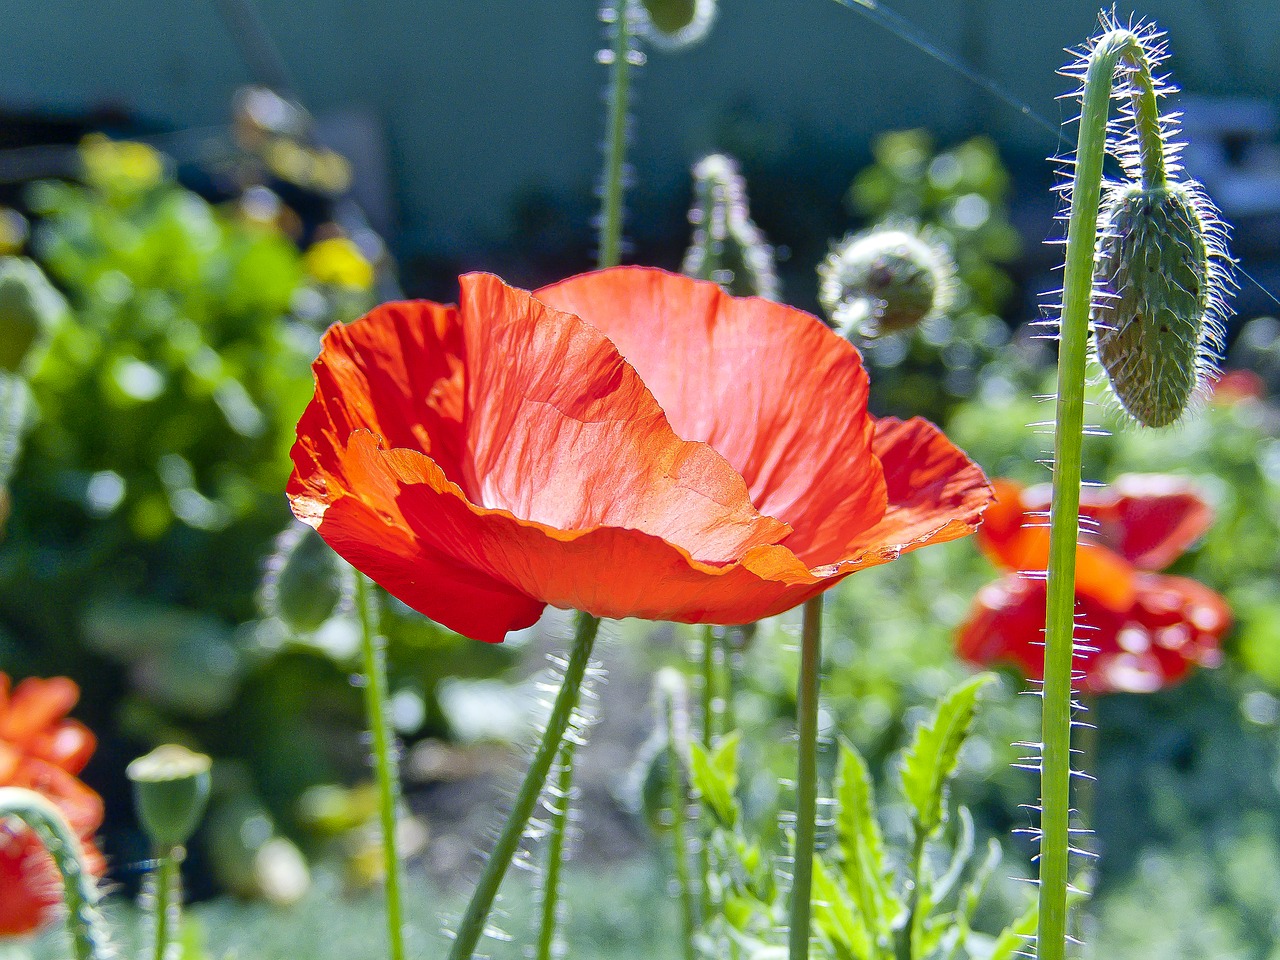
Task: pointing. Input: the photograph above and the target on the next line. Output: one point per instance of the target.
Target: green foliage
(872, 901)
(715, 777)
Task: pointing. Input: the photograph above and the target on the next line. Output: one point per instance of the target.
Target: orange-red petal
(768, 386)
(35, 705)
(1173, 625)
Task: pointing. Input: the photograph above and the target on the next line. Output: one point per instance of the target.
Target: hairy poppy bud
(29, 305)
(171, 791)
(673, 24)
(883, 280)
(305, 580)
(1159, 289)
(727, 246)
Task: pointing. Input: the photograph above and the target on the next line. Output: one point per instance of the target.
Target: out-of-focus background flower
(192, 193)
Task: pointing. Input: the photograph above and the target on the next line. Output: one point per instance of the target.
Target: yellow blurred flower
(339, 262)
(120, 166)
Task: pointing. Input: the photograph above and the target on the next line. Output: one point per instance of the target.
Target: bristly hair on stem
(1114, 287)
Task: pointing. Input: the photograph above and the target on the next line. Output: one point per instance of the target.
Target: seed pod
(171, 792)
(1158, 282)
(884, 280)
(727, 246)
(305, 580)
(673, 24)
(29, 306)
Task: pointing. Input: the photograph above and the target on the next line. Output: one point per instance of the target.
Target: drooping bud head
(1160, 277)
(305, 580)
(29, 306)
(886, 279)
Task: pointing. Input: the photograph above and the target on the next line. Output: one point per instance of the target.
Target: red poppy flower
(41, 750)
(1142, 630)
(630, 443)
(1237, 386)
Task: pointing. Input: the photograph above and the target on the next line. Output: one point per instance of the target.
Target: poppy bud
(884, 280)
(673, 24)
(305, 580)
(29, 306)
(171, 792)
(727, 246)
(1158, 297)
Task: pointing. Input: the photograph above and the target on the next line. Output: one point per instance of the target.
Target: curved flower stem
(472, 924)
(806, 777)
(679, 836)
(79, 891)
(561, 800)
(1077, 295)
(166, 901)
(385, 767)
(616, 134)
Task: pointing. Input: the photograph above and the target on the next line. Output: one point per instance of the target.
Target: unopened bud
(727, 247)
(305, 580)
(673, 24)
(1158, 292)
(29, 306)
(171, 792)
(885, 280)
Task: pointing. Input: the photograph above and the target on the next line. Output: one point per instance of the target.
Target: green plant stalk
(166, 902)
(905, 943)
(728, 715)
(806, 778)
(555, 850)
(1077, 295)
(386, 769)
(473, 920)
(679, 836)
(708, 685)
(79, 890)
(616, 142)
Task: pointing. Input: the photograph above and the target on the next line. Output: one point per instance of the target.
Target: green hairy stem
(1111, 49)
(555, 850)
(385, 767)
(616, 134)
(471, 927)
(806, 778)
(80, 893)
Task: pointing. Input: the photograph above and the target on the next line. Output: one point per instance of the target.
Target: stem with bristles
(386, 769)
(616, 135)
(806, 778)
(1077, 297)
(472, 925)
(79, 890)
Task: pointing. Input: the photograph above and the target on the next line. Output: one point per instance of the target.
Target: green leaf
(715, 776)
(836, 920)
(931, 759)
(1014, 939)
(860, 842)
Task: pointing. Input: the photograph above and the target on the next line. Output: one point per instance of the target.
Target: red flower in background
(1148, 629)
(41, 750)
(630, 443)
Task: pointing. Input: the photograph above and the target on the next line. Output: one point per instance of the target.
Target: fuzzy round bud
(885, 280)
(305, 580)
(727, 247)
(171, 792)
(673, 24)
(29, 306)
(1157, 291)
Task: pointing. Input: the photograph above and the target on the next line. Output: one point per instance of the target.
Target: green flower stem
(728, 716)
(616, 134)
(79, 890)
(555, 849)
(679, 836)
(708, 685)
(385, 766)
(1086, 191)
(166, 902)
(806, 778)
(473, 920)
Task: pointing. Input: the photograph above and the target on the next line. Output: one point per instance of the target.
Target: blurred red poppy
(42, 750)
(1237, 386)
(630, 442)
(1139, 631)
